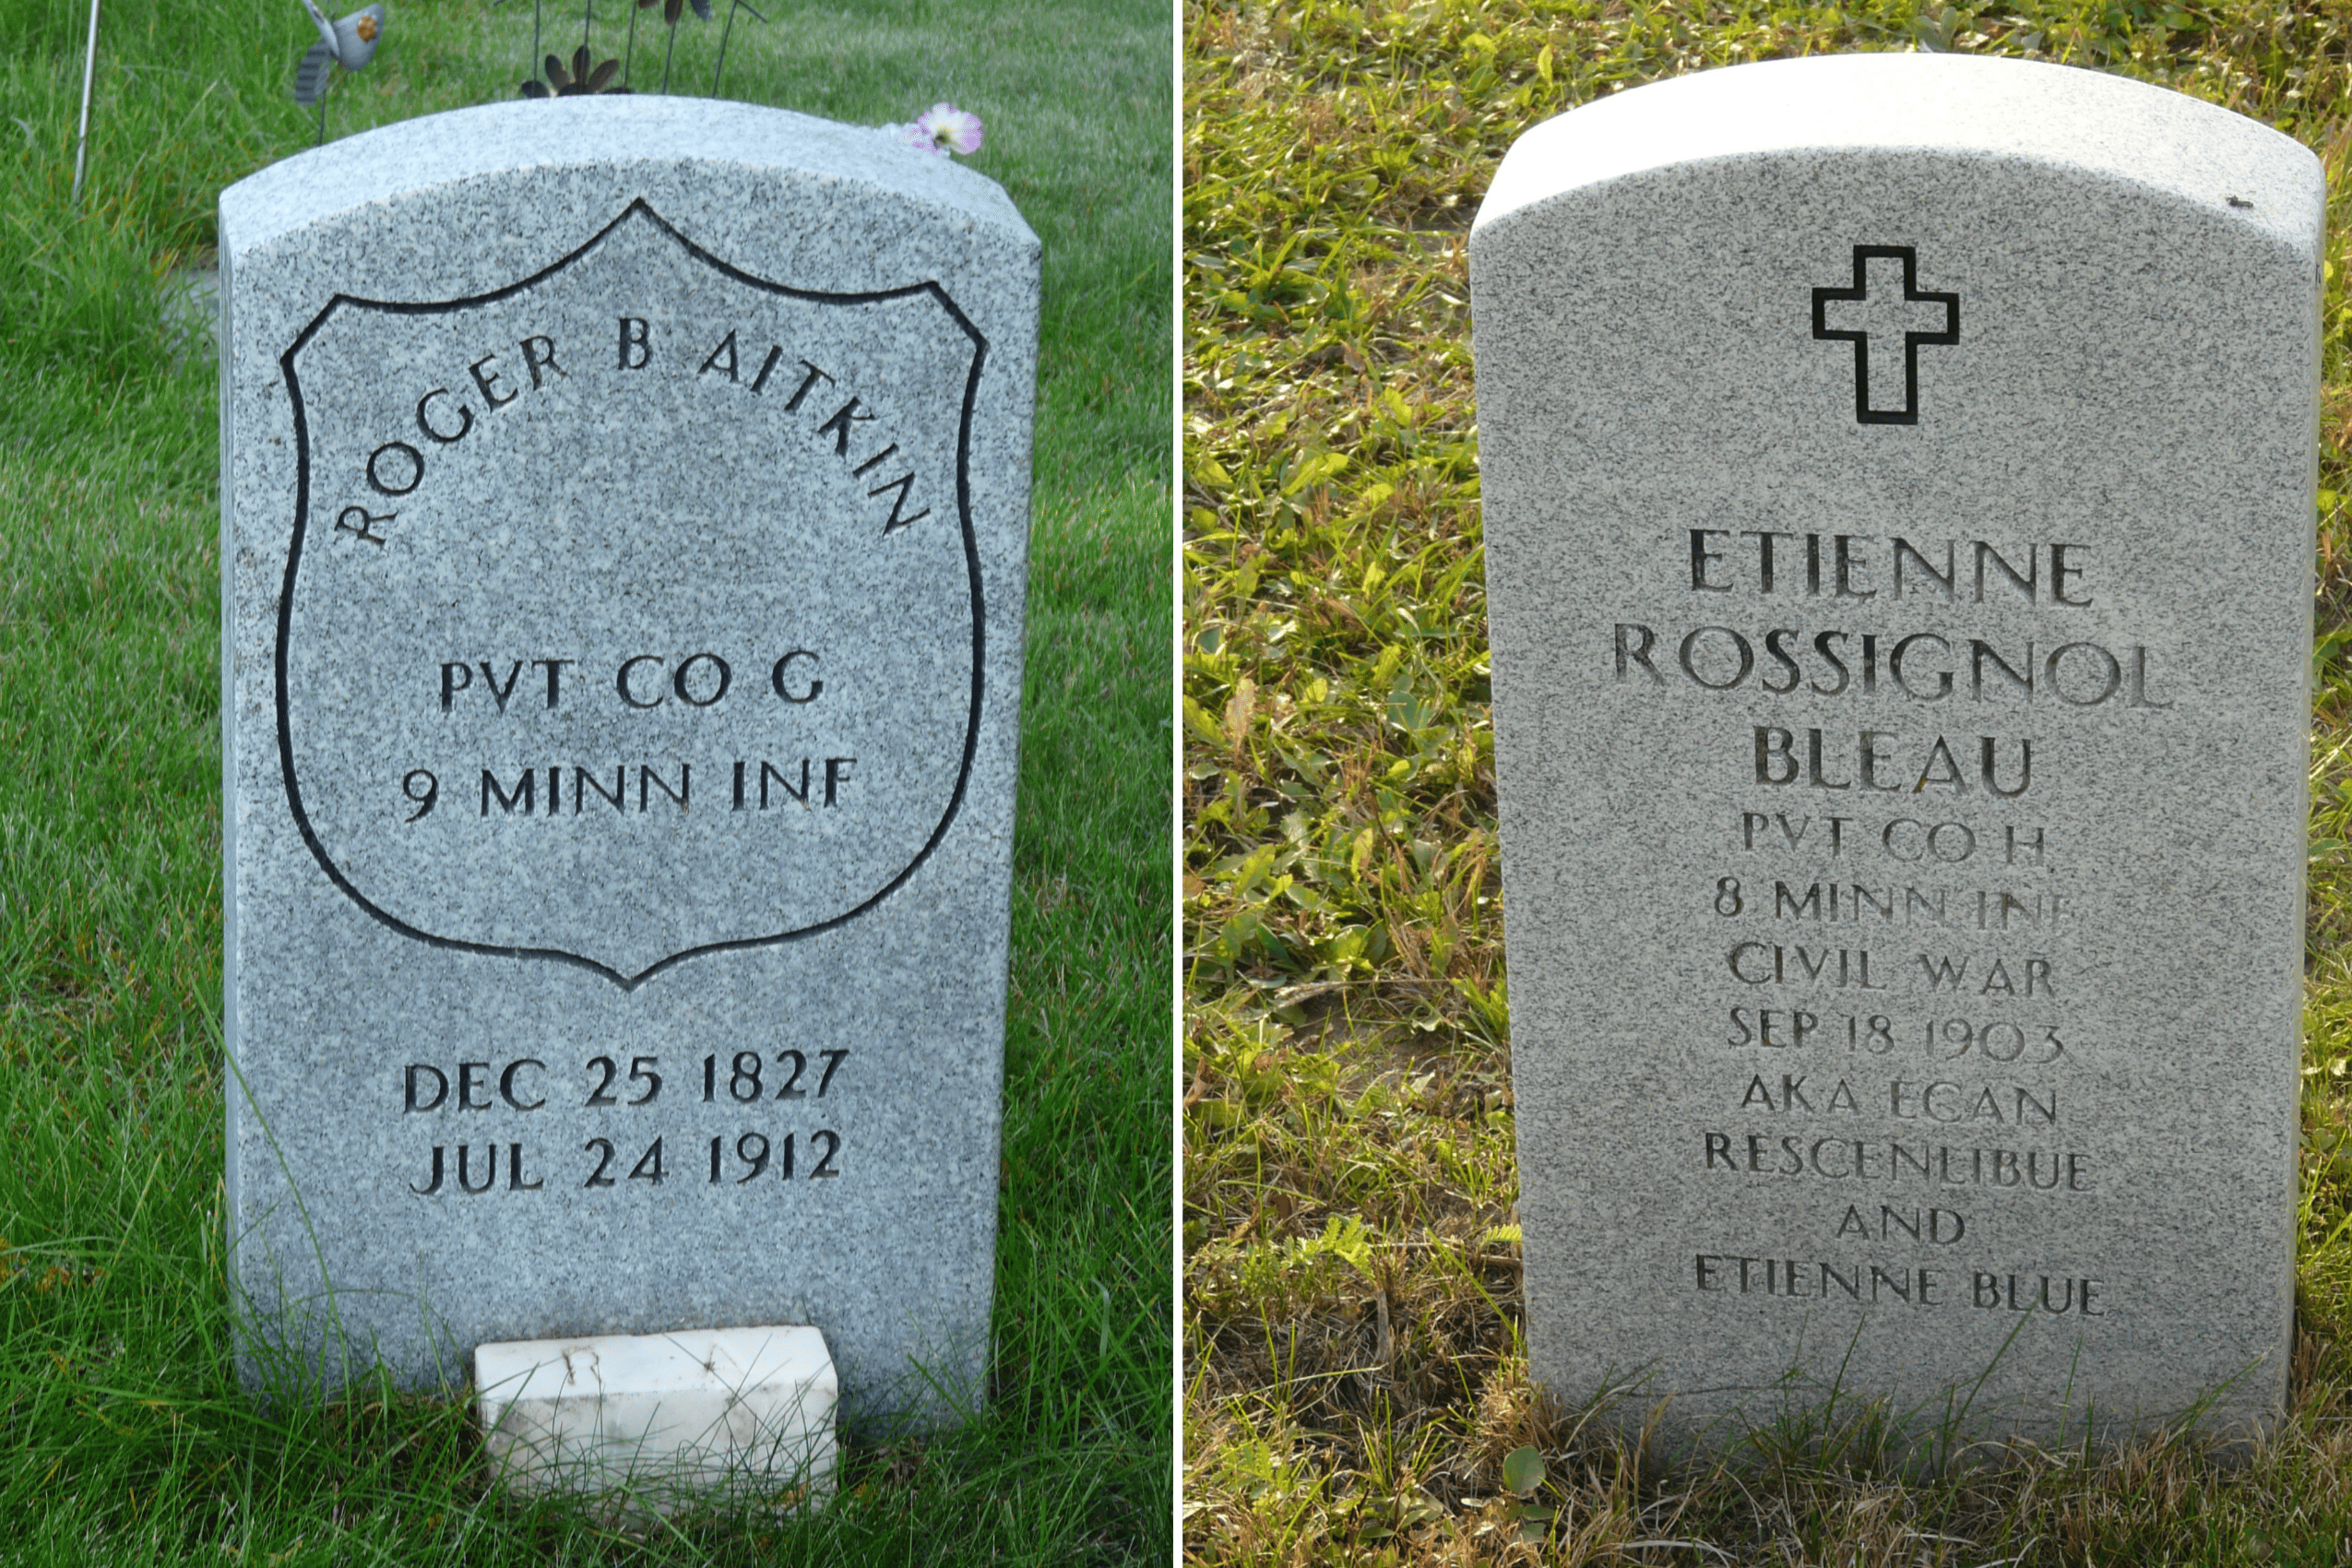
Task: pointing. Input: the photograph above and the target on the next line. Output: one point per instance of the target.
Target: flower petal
(951, 128)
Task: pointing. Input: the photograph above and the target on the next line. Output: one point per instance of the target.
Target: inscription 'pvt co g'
(697, 679)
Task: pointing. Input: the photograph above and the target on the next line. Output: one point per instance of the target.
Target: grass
(1355, 1372)
(123, 1436)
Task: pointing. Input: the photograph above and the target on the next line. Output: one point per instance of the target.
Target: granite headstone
(625, 519)
(1899, 499)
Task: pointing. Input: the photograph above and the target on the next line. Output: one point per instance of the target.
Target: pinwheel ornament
(350, 44)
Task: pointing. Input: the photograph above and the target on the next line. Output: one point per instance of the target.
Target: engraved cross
(1887, 304)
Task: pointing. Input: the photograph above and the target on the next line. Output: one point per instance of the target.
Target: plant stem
(535, 67)
(629, 55)
(322, 116)
(723, 34)
(587, 20)
(666, 53)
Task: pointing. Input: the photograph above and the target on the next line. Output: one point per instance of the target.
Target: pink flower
(946, 128)
(914, 136)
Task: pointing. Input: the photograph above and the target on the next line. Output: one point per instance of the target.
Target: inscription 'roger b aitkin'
(624, 673)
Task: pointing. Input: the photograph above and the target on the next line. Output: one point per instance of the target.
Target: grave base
(664, 1417)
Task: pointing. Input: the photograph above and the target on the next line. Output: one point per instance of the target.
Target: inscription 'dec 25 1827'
(632, 610)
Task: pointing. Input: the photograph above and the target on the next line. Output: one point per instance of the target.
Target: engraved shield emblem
(632, 610)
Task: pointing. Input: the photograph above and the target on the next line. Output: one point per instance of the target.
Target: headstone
(1899, 491)
(625, 520)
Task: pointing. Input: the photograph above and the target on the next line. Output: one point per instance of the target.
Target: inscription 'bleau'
(581, 725)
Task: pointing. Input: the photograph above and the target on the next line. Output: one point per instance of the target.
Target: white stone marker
(624, 522)
(673, 1415)
(1899, 491)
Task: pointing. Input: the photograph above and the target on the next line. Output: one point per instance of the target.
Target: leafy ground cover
(123, 1437)
(1355, 1376)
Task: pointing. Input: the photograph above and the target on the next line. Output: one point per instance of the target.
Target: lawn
(1355, 1373)
(122, 1434)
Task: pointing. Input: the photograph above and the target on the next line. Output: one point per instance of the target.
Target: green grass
(123, 1436)
(1355, 1370)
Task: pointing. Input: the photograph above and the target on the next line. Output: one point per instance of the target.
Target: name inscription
(1933, 1026)
(396, 468)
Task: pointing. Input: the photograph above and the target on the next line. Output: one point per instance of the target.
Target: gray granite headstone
(625, 520)
(1898, 481)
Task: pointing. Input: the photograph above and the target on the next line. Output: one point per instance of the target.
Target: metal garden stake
(350, 44)
(89, 67)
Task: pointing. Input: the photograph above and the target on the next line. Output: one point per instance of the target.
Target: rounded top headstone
(524, 137)
(1951, 105)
